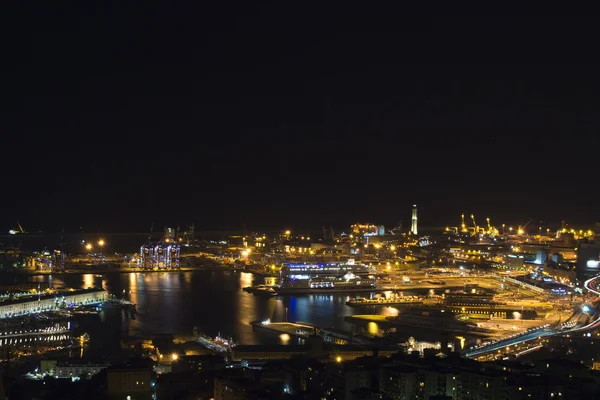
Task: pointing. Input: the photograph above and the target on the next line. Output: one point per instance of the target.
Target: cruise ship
(325, 278)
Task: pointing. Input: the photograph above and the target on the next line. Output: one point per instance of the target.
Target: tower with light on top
(413, 225)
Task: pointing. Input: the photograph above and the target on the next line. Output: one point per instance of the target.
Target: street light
(88, 246)
(101, 244)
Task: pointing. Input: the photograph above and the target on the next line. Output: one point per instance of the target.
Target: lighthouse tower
(413, 225)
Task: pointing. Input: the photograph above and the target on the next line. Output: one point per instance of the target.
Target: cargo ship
(325, 278)
(217, 344)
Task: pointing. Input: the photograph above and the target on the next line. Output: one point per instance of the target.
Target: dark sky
(294, 115)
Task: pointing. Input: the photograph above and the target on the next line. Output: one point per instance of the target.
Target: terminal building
(50, 301)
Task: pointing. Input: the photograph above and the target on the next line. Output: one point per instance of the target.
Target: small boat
(262, 289)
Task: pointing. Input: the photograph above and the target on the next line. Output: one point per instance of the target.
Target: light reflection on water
(176, 302)
(373, 328)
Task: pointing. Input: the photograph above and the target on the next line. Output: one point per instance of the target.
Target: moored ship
(325, 278)
(217, 344)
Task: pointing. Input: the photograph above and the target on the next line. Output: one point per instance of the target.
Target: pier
(291, 328)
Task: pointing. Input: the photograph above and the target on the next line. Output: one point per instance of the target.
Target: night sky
(295, 116)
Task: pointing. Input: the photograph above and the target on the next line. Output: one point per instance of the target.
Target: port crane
(521, 229)
(475, 227)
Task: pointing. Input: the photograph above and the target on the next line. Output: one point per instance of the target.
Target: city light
(88, 246)
(585, 309)
(174, 357)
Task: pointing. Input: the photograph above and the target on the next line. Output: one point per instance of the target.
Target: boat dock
(291, 328)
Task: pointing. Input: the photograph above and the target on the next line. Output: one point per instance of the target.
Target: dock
(291, 328)
(384, 302)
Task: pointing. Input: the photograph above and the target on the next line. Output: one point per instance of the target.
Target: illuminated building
(413, 224)
(368, 230)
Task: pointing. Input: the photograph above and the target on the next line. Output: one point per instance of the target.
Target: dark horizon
(277, 115)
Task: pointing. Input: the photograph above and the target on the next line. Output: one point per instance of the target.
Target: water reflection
(284, 338)
(246, 310)
(373, 328)
(88, 280)
(214, 302)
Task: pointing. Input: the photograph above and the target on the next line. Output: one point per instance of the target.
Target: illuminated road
(592, 285)
(511, 341)
(567, 327)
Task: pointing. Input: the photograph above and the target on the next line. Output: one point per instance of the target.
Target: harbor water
(214, 302)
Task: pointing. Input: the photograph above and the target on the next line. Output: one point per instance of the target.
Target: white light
(585, 309)
(592, 264)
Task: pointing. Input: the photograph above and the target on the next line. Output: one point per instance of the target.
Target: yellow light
(174, 357)
(101, 242)
(338, 359)
(287, 232)
(88, 246)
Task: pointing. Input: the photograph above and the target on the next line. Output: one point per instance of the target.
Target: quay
(291, 328)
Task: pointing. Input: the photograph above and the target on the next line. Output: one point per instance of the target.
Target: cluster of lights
(89, 246)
